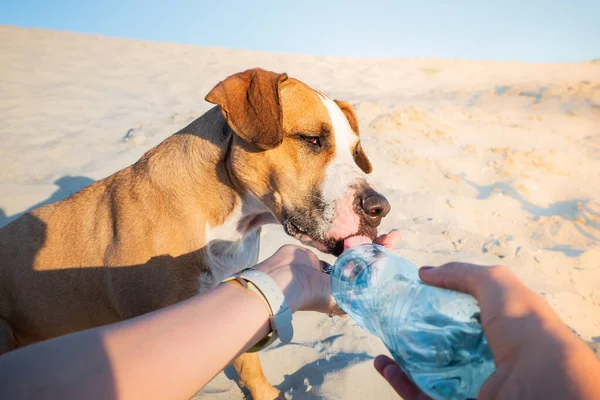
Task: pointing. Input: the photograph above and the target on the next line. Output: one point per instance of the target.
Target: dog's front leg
(251, 376)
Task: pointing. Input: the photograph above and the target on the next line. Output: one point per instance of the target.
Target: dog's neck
(190, 169)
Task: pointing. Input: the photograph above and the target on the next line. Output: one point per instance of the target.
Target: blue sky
(525, 30)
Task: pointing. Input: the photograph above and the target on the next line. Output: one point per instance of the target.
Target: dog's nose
(374, 206)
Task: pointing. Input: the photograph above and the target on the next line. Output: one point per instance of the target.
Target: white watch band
(281, 315)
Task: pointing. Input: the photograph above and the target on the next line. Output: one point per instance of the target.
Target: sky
(522, 30)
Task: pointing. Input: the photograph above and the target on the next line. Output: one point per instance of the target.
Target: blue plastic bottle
(434, 334)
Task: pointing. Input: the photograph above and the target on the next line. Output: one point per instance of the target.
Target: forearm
(573, 371)
(170, 353)
(581, 368)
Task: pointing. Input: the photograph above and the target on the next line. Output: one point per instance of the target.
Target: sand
(488, 162)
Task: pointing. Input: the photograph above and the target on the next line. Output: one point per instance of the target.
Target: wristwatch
(281, 315)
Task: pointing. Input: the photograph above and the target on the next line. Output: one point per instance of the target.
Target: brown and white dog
(189, 212)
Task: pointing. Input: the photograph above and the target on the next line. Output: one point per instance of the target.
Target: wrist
(581, 367)
(270, 293)
(285, 282)
(251, 295)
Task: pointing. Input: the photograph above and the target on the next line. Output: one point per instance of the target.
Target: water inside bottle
(438, 341)
(433, 334)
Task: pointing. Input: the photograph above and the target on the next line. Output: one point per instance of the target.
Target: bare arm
(170, 353)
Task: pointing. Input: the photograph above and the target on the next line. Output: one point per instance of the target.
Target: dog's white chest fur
(233, 245)
(226, 257)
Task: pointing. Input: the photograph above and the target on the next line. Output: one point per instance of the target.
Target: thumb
(462, 277)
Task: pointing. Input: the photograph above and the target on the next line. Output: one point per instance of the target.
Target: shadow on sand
(579, 212)
(67, 185)
(314, 372)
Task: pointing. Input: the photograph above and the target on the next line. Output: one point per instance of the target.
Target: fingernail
(426, 268)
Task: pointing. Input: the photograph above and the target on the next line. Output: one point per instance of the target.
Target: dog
(189, 213)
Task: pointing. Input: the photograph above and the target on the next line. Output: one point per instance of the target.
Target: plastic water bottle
(434, 334)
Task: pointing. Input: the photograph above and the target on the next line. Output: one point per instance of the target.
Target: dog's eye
(314, 140)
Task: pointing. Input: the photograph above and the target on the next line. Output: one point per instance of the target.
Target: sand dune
(489, 162)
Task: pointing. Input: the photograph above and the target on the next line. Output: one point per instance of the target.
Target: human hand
(299, 274)
(536, 354)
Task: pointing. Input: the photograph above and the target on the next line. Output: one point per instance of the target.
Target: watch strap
(280, 314)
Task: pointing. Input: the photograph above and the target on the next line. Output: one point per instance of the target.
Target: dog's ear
(349, 113)
(360, 158)
(250, 103)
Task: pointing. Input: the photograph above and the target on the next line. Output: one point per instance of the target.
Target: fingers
(303, 254)
(326, 267)
(398, 379)
(315, 261)
(474, 279)
(321, 297)
(334, 309)
(455, 276)
(381, 362)
(389, 240)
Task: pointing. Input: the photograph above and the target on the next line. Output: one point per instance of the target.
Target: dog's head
(299, 153)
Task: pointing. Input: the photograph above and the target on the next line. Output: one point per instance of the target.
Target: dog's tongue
(355, 241)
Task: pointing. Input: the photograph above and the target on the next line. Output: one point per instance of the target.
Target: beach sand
(486, 162)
